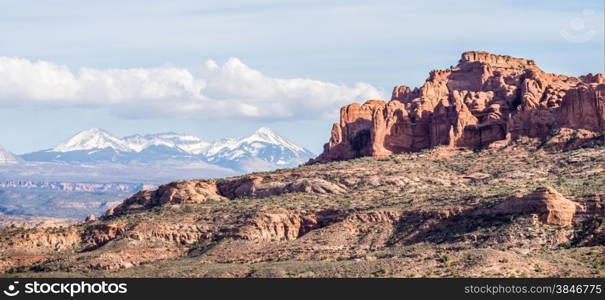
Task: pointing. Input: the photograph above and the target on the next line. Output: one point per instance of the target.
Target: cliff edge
(483, 99)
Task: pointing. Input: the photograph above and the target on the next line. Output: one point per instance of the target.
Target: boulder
(548, 204)
(90, 219)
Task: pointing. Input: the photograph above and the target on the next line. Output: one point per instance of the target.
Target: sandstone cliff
(485, 98)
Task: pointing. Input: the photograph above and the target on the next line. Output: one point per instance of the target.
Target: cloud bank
(229, 90)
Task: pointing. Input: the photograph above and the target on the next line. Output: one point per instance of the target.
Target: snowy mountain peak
(263, 150)
(7, 158)
(93, 138)
(265, 130)
(188, 143)
(267, 135)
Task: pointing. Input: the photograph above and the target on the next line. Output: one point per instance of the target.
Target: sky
(223, 69)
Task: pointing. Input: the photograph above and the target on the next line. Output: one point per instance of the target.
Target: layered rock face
(485, 98)
(545, 202)
(199, 191)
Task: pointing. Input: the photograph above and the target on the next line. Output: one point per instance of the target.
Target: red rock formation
(584, 107)
(550, 207)
(485, 98)
(199, 191)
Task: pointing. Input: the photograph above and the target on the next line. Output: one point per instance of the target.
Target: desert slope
(492, 168)
(524, 208)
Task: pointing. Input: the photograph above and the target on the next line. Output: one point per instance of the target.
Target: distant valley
(62, 200)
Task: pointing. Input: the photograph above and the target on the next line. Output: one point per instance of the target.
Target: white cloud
(230, 90)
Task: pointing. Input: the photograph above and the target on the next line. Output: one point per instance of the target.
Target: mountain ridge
(262, 150)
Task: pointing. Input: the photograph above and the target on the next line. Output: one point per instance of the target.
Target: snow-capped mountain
(188, 143)
(263, 150)
(91, 139)
(7, 158)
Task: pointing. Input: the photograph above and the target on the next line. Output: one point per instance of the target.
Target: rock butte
(484, 99)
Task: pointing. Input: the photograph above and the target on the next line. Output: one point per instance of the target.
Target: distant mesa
(483, 99)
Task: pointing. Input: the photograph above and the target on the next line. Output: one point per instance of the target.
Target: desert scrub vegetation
(407, 215)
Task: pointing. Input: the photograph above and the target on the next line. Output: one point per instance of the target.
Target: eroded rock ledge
(198, 191)
(545, 203)
(484, 99)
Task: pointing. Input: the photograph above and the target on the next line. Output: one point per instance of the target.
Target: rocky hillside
(529, 207)
(492, 168)
(483, 99)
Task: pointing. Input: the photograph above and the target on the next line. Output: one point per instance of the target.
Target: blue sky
(136, 66)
